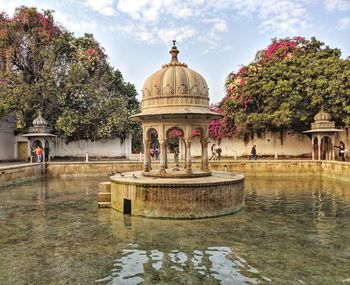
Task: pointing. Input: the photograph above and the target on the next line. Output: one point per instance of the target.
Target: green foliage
(286, 86)
(44, 67)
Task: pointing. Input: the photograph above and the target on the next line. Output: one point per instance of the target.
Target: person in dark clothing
(219, 151)
(214, 153)
(157, 152)
(253, 153)
(341, 147)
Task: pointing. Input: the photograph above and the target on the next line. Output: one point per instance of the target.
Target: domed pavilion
(175, 98)
(323, 135)
(40, 134)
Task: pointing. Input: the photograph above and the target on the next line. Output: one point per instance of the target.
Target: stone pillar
(43, 147)
(313, 147)
(319, 148)
(147, 156)
(188, 157)
(185, 159)
(162, 146)
(166, 155)
(205, 160)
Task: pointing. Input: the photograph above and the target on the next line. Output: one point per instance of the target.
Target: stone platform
(221, 193)
(176, 172)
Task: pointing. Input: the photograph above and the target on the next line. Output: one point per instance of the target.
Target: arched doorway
(315, 149)
(326, 148)
(151, 149)
(198, 133)
(174, 141)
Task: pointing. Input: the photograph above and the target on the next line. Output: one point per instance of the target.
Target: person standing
(39, 153)
(219, 151)
(253, 153)
(213, 152)
(157, 152)
(341, 147)
(176, 156)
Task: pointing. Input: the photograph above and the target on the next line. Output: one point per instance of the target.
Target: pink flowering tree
(45, 67)
(283, 88)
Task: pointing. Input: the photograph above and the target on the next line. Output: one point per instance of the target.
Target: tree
(285, 86)
(44, 67)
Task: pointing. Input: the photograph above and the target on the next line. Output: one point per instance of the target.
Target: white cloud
(206, 21)
(179, 33)
(8, 7)
(105, 7)
(285, 16)
(343, 24)
(219, 25)
(140, 9)
(153, 35)
(247, 7)
(341, 5)
(79, 26)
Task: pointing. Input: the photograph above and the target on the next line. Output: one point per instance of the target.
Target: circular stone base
(221, 193)
(176, 172)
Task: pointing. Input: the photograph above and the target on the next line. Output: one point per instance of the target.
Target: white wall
(290, 144)
(7, 139)
(293, 145)
(110, 148)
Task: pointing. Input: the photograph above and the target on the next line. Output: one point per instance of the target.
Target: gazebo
(40, 134)
(175, 98)
(323, 134)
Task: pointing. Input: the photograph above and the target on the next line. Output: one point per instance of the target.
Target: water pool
(294, 230)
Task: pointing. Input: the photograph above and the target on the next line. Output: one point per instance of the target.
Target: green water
(293, 231)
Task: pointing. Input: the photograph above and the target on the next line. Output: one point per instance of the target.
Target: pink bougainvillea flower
(90, 51)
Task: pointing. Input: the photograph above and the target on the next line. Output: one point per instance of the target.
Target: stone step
(104, 197)
(104, 187)
(104, 204)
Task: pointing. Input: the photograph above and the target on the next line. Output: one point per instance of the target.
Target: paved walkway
(6, 164)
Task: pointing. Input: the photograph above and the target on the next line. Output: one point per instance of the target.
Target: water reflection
(213, 263)
(293, 231)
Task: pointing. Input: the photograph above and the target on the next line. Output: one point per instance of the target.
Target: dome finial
(174, 52)
(322, 115)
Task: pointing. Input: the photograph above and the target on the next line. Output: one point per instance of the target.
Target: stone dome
(322, 121)
(322, 116)
(40, 121)
(175, 86)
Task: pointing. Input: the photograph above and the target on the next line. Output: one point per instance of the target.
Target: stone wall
(336, 170)
(21, 173)
(56, 169)
(216, 195)
(330, 169)
(109, 148)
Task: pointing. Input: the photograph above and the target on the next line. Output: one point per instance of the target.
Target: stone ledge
(216, 195)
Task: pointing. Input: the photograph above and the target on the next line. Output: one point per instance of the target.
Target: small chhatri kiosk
(40, 135)
(323, 135)
(175, 99)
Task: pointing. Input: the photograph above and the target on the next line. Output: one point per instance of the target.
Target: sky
(214, 37)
